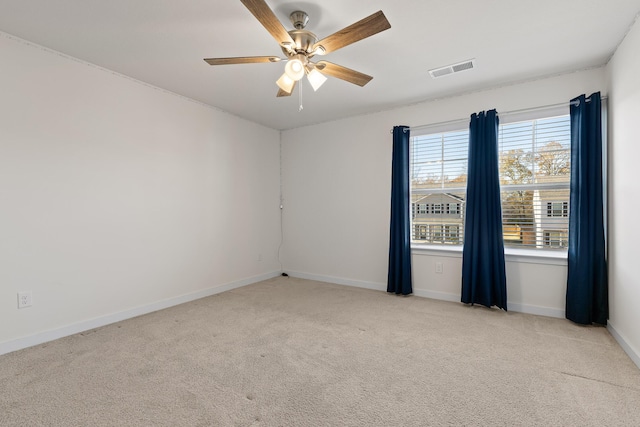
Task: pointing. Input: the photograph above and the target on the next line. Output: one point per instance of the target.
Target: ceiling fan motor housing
(304, 41)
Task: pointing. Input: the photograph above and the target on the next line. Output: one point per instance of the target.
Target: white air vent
(453, 68)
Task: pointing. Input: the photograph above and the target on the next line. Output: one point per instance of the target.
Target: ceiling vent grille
(453, 68)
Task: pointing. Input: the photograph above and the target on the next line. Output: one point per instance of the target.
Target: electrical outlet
(439, 267)
(25, 299)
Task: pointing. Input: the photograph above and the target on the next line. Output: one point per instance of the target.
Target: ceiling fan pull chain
(300, 107)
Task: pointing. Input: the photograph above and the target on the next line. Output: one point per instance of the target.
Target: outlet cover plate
(25, 299)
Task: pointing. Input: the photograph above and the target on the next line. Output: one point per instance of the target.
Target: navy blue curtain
(483, 274)
(399, 278)
(587, 286)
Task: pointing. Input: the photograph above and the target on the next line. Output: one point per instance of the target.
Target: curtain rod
(506, 113)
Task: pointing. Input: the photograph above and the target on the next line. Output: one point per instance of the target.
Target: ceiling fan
(300, 45)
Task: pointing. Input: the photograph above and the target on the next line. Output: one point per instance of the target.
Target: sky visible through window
(440, 160)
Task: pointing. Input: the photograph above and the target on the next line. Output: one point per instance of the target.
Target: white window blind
(535, 166)
(438, 185)
(534, 159)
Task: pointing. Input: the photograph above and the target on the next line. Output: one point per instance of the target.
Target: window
(439, 178)
(453, 208)
(534, 159)
(437, 233)
(556, 238)
(452, 234)
(535, 170)
(557, 209)
(422, 232)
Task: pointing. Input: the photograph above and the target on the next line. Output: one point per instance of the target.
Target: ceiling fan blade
(343, 73)
(241, 60)
(362, 29)
(268, 19)
(282, 93)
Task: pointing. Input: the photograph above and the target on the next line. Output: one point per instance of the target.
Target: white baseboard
(534, 309)
(339, 280)
(443, 296)
(42, 337)
(631, 352)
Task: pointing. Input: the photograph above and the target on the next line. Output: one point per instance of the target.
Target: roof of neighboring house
(436, 197)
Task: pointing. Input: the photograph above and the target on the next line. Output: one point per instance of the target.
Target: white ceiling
(163, 42)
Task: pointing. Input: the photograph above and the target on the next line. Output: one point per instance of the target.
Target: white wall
(117, 198)
(336, 189)
(624, 193)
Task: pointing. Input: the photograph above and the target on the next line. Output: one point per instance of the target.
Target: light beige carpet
(291, 352)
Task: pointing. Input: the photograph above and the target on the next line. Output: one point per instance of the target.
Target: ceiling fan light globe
(285, 83)
(294, 69)
(316, 78)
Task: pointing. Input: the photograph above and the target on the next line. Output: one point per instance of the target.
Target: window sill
(453, 251)
(531, 256)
